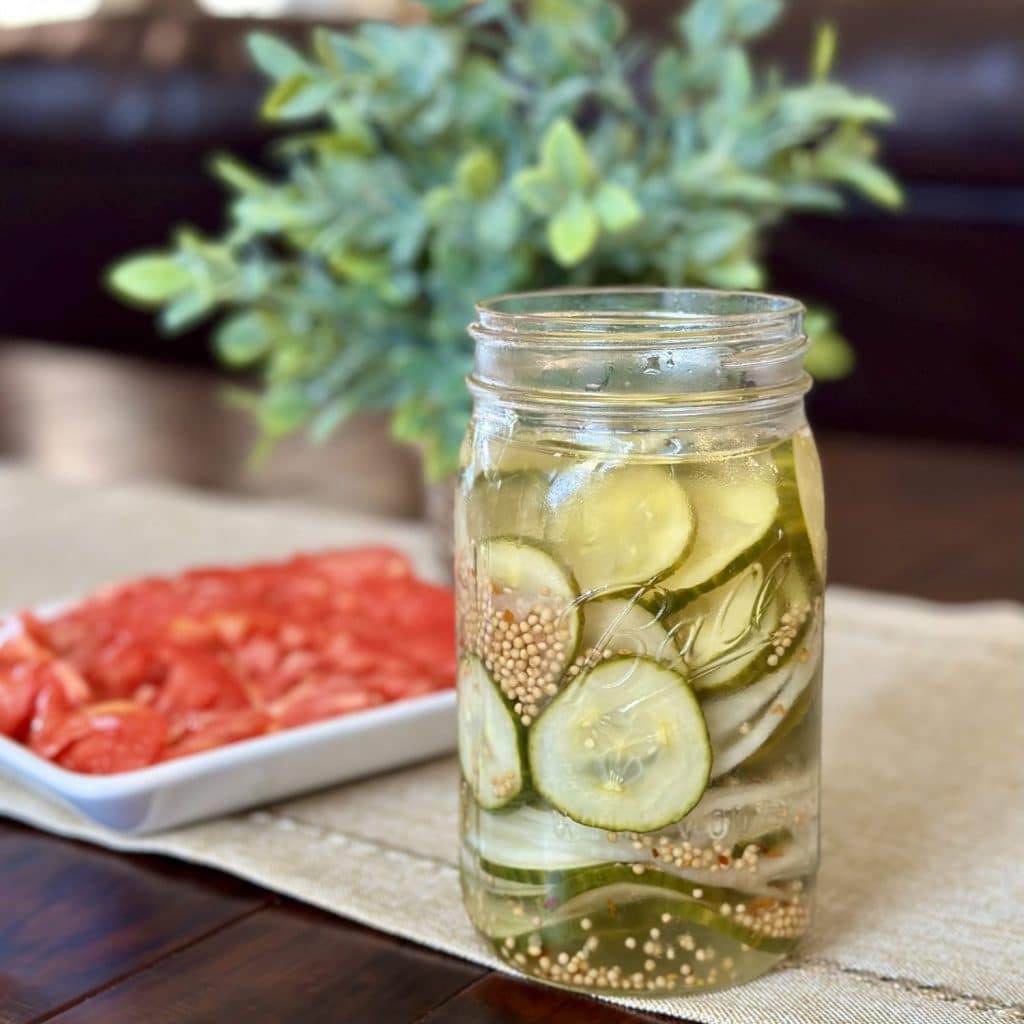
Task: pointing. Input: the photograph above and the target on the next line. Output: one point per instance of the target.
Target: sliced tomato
(117, 736)
(119, 667)
(19, 687)
(355, 567)
(61, 690)
(257, 658)
(318, 699)
(205, 730)
(400, 684)
(197, 680)
(213, 652)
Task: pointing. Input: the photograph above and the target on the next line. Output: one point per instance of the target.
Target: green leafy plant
(498, 146)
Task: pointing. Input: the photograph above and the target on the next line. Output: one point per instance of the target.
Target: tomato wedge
(205, 730)
(197, 680)
(318, 699)
(118, 736)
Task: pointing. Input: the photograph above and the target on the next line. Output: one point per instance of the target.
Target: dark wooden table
(91, 936)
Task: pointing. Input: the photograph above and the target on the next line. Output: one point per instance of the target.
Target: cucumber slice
(489, 745)
(725, 713)
(624, 747)
(802, 495)
(621, 625)
(625, 905)
(522, 619)
(805, 668)
(527, 844)
(745, 627)
(618, 525)
(736, 520)
(751, 811)
(795, 722)
(512, 504)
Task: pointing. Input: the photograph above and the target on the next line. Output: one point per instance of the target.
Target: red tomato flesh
(160, 668)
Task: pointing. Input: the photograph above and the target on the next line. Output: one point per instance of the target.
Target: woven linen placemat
(921, 908)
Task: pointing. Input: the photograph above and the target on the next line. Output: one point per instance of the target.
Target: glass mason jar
(640, 558)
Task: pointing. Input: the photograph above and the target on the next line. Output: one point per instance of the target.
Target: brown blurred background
(109, 110)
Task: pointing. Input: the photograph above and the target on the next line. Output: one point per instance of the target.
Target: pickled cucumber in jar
(639, 700)
(640, 564)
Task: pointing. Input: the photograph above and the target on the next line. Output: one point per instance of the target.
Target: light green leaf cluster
(498, 146)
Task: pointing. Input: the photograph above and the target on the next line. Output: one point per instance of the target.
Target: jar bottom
(644, 944)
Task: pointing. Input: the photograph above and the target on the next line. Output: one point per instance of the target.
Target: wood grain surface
(91, 936)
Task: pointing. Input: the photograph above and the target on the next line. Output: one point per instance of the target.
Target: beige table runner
(921, 913)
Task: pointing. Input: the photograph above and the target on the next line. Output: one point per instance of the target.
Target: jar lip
(637, 313)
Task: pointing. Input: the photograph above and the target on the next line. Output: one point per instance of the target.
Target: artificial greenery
(496, 147)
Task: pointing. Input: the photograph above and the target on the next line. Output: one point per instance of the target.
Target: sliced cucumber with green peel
(619, 525)
(528, 843)
(512, 504)
(624, 747)
(736, 520)
(754, 809)
(804, 669)
(624, 908)
(726, 712)
(490, 749)
(795, 720)
(734, 634)
(622, 625)
(802, 496)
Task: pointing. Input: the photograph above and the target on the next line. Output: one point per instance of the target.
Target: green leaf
(357, 266)
(704, 24)
(477, 173)
(616, 207)
(499, 223)
(274, 57)
(438, 203)
(824, 53)
(186, 310)
(827, 101)
(830, 356)
(244, 339)
(537, 190)
(283, 410)
(745, 188)
(573, 232)
(668, 79)
(737, 83)
(340, 52)
(236, 175)
(869, 179)
(329, 418)
(752, 17)
(298, 96)
(739, 273)
(272, 212)
(564, 155)
(609, 21)
(148, 278)
(443, 8)
(713, 236)
(810, 196)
